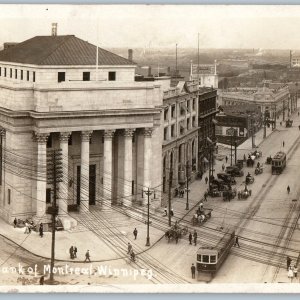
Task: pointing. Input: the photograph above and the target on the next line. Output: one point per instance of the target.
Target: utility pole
(148, 193)
(235, 152)
(187, 188)
(54, 176)
(231, 150)
(170, 196)
(283, 110)
(265, 129)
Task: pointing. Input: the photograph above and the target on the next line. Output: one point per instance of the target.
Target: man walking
(193, 269)
(87, 256)
(41, 230)
(129, 248)
(165, 211)
(223, 167)
(288, 189)
(190, 238)
(288, 262)
(283, 144)
(135, 232)
(236, 241)
(206, 179)
(15, 222)
(75, 251)
(226, 159)
(195, 237)
(172, 212)
(71, 251)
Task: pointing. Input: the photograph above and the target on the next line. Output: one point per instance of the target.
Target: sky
(131, 26)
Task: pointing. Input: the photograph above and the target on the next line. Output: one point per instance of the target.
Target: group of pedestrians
(166, 212)
(179, 193)
(194, 237)
(73, 252)
(292, 271)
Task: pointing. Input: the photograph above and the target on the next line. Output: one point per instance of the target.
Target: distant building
(295, 60)
(206, 74)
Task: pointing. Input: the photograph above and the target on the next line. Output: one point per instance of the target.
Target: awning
(205, 160)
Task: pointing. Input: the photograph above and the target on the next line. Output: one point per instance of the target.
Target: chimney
(130, 55)
(54, 29)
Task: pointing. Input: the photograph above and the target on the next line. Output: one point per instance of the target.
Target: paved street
(266, 223)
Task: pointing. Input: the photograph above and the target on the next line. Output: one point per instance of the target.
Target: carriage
(249, 179)
(228, 179)
(244, 194)
(259, 170)
(256, 154)
(201, 216)
(229, 195)
(176, 232)
(250, 162)
(234, 171)
(214, 192)
(288, 123)
(269, 160)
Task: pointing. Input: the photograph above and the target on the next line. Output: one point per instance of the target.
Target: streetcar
(210, 259)
(278, 162)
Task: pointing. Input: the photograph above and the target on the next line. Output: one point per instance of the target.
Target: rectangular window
(70, 141)
(86, 76)
(194, 122)
(49, 142)
(16, 73)
(165, 133)
(48, 195)
(61, 76)
(112, 76)
(173, 130)
(188, 124)
(27, 75)
(213, 259)
(0, 71)
(194, 104)
(21, 74)
(173, 111)
(205, 258)
(8, 196)
(10, 72)
(166, 114)
(4, 72)
(33, 76)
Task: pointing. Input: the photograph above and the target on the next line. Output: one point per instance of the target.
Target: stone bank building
(63, 92)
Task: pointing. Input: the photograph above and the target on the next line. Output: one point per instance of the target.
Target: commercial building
(63, 92)
(206, 74)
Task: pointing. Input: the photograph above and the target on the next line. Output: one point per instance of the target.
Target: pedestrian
(193, 269)
(298, 113)
(135, 232)
(71, 251)
(245, 157)
(288, 189)
(15, 222)
(132, 256)
(176, 192)
(165, 211)
(75, 251)
(206, 179)
(295, 270)
(41, 230)
(223, 167)
(87, 256)
(201, 205)
(283, 144)
(205, 196)
(42, 279)
(26, 228)
(236, 241)
(280, 123)
(288, 262)
(290, 273)
(226, 159)
(172, 212)
(176, 237)
(190, 238)
(129, 248)
(195, 237)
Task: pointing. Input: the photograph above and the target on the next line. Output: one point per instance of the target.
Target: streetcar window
(205, 258)
(198, 257)
(213, 259)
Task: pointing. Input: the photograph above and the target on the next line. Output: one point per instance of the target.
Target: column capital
(86, 135)
(148, 131)
(64, 136)
(108, 134)
(129, 132)
(2, 131)
(41, 138)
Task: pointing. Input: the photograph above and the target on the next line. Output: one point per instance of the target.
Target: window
(173, 130)
(8, 196)
(48, 195)
(213, 259)
(61, 76)
(16, 73)
(49, 141)
(188, 124)
(111, 76)
(10, 72)
(21, 74)
(194, 104)
(4, 72)
(0, 71)
(70, 141)
(173, 110)
(27, 75)
(205, 258)
(166, 114)
(194, 122)
(165, 133)
(86, 76)
(33, 76)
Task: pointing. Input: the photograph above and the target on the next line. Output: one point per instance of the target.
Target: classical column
(63, 185)
(41, 139)
(147, 158)
(127, 176)
(107, 164)
(84, 170)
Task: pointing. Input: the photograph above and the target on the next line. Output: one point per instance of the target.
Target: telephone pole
(170, 196)
(54, 176)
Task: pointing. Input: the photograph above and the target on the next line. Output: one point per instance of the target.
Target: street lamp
(211, 146)
(187, 188)
(148, 193)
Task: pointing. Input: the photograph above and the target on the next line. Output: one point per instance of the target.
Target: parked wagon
(244, 194)
(201, 216)
(249, 179)
(269, 160)
(176, 232)
(258, 170)
(229, 195)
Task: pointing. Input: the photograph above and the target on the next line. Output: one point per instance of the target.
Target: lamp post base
(148, 241)
(187, 207)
